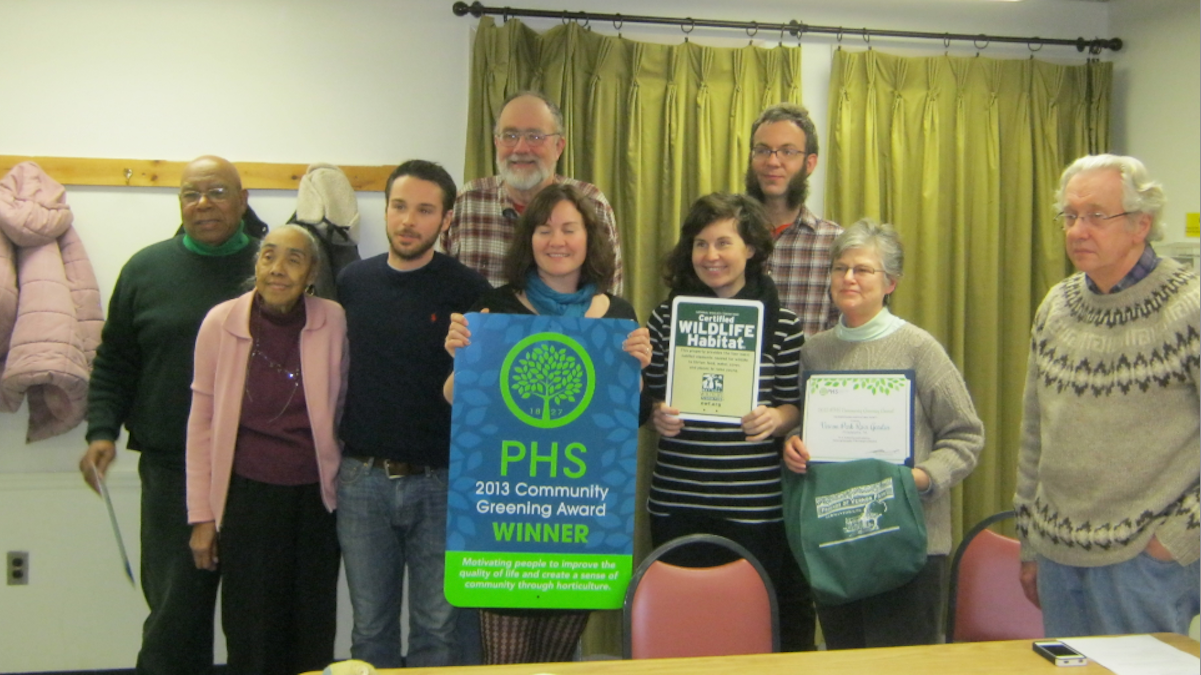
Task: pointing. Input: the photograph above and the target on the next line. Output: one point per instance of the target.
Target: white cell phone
(1058, 653)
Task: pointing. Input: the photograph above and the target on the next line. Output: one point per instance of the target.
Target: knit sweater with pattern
(1111, 430)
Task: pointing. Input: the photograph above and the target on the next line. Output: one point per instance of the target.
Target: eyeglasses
(534, 139)
(762, 152)
(217, 194)
(1067, 220)
(860, 271)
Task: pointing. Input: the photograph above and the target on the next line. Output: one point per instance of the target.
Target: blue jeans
(1141, 595)
(384, 525)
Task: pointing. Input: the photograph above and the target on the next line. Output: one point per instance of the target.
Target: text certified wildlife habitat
(543, 457)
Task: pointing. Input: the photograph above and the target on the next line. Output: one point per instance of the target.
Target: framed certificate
(713, 359)
(858, 414)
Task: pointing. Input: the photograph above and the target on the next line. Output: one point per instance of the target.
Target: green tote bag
(856, 528)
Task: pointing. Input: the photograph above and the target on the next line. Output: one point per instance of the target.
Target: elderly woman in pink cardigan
(262, 458)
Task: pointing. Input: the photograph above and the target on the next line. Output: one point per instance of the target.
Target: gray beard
(521, 181)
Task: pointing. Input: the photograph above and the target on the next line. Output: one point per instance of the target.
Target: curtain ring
(838, 36)
(691, 26)
(587, 20)
(618, 23)
(976, 41)
(1030, 45)
(867, 37)
(946, 41)
(752, 33)
(565, 19)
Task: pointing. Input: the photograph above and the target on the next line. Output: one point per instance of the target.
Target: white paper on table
(1136, 655)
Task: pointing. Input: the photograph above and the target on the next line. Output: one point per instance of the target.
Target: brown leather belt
(393, 468)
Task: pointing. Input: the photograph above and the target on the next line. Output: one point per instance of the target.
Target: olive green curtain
(653, 126)
(963, 156)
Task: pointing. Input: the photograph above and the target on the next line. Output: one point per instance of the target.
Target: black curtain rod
(794, 28)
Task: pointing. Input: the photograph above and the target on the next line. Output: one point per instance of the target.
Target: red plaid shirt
(479, 234)
(800, 266)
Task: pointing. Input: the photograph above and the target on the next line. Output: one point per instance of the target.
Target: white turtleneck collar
(881, 325)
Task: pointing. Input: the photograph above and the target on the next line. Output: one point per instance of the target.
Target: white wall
(276, 81)
(1157, 95)
(354, 82)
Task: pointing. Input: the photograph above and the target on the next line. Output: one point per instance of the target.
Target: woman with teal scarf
(561, 263)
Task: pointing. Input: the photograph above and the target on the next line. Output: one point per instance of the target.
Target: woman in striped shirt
(711, 477)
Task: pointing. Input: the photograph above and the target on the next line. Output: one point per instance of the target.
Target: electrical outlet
(18, 568)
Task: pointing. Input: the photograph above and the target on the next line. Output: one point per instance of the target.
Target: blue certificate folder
(543, 461)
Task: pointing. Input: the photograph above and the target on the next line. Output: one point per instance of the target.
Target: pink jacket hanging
(50, 313)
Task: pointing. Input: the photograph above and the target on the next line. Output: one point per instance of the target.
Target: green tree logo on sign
(547, 380)
(550, 374)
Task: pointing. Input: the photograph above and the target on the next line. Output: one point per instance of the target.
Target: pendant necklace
(291, 375)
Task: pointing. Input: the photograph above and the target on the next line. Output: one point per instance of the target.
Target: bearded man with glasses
(783, 156)
(1107, 497)
(529, 139)
(142, 380)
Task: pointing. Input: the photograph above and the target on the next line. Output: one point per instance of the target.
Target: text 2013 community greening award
(543, 457)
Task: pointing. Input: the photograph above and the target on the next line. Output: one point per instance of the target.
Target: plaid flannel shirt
(800, 266)
(479, 233)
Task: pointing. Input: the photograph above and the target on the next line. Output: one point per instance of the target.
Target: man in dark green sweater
(142, 379)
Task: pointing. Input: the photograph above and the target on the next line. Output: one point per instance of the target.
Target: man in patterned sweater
(1107, 491)
(529, 138)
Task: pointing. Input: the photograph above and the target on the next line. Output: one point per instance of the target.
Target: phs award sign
(543, 457)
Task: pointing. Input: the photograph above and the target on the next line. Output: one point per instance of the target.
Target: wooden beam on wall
(163, 173)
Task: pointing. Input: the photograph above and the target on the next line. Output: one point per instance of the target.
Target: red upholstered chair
(673, 611)
(986, 601)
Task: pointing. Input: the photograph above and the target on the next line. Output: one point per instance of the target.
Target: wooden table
(1013, 657)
